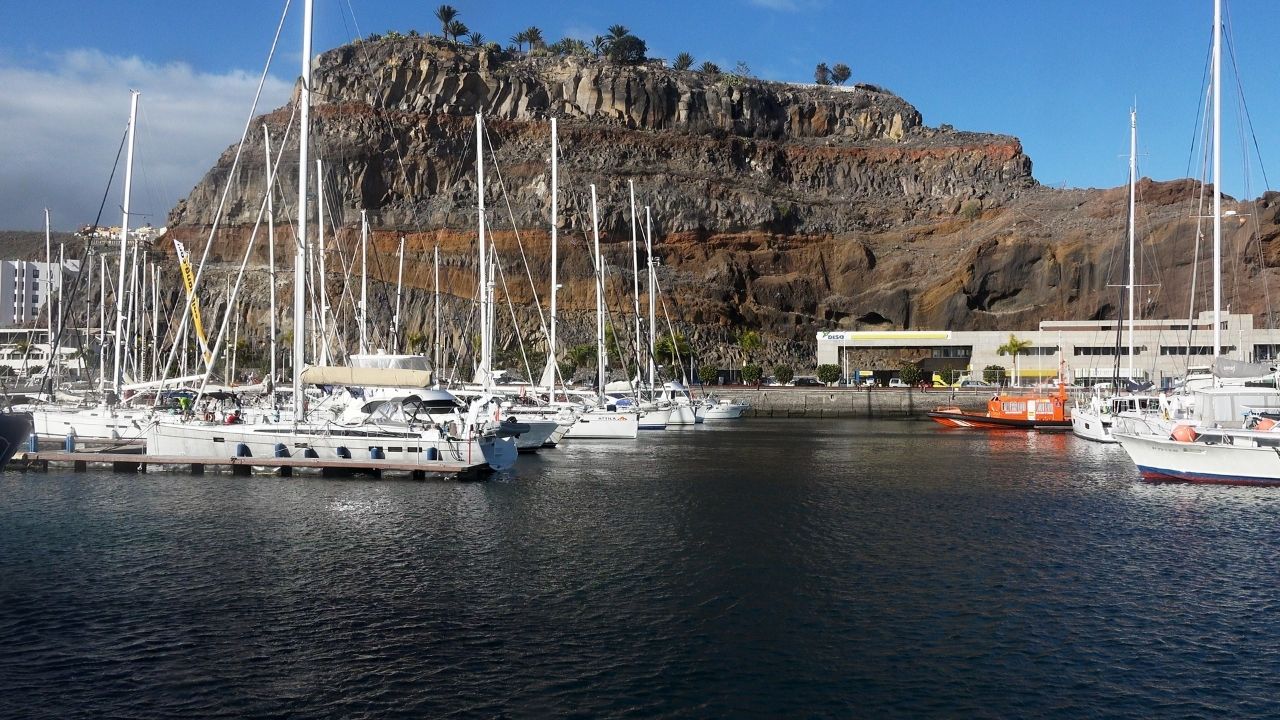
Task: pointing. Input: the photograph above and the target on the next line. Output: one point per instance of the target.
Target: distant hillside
(29, 245)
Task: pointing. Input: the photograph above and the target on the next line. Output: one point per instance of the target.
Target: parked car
(897, 382)
(975, 384)
(806, 381)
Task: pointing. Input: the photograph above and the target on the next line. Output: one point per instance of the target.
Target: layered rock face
(784, 208)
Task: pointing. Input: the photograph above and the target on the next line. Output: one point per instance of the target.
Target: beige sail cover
(366, 376)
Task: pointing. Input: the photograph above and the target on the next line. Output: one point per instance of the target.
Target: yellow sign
(189, 281)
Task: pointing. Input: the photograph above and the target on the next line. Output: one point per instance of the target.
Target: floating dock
(330, 467)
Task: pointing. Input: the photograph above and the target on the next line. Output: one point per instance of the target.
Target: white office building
(1090, 351)
(25, 287)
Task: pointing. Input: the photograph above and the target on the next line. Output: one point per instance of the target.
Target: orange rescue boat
(1006, 412)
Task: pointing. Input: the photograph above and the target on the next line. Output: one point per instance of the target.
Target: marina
(996, 574)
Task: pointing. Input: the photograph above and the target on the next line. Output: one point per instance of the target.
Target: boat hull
(606, 425)
(975, 421)
(1092, 426)
(91, 423)
(1169, 460)
(204, 440)
(15, 428)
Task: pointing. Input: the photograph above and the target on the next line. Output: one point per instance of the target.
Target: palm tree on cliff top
(446, 14)
(1014, 347)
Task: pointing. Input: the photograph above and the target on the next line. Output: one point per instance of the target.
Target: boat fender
(1184, 433)
(375, 453)
(69, 443)
(282, 450)
(343, 452)
(433, 454)
(311, 453)
(242, 450)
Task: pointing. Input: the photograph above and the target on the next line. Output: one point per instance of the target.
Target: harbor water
(765, 568)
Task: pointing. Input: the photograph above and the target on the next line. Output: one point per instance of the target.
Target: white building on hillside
(24, 288)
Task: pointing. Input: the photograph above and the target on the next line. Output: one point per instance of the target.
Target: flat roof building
(1162, 349)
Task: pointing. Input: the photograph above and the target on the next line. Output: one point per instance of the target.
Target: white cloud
(61, 122)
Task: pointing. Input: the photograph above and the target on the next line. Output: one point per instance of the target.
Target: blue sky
(1059, 76)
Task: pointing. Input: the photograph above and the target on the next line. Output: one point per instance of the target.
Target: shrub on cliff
(822, 74)
(684, 61)
(709, 68)
(839, 73)
(628, 50)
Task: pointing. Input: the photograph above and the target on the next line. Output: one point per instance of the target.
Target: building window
(953, 352)
(35, 300)
(35, 274)
(1106, 350)
(34, 286)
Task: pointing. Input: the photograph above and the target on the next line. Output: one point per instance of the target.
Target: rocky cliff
(785, 208)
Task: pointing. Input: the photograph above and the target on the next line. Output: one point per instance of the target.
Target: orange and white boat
(1011, 412)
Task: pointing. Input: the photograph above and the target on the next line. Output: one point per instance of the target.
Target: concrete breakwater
(850, 402)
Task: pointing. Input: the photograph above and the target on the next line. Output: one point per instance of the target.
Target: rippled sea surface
(766, 568)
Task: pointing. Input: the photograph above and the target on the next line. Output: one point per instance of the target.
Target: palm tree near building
(1014, 347)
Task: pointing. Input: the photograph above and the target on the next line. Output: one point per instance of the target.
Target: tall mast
(1217, 178)
(555, 202)
(364, 282)
(300, 242)
(482, 369)
(271, 256)
(395, 324)
(1133, 217)
(155, 322)
(102, 324)
(653, 293)
(48, 284)
(600, 354)
(117, 373)
(322, 283)
(635, 275)
(436, 334)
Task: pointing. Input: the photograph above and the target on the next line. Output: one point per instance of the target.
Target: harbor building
(1089, 349)
(25, 287)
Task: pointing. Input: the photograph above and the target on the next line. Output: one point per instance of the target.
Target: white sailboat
(1095, 419)
(413, 440)
(1214, 448)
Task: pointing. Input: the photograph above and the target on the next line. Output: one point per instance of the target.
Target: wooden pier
(285, 466)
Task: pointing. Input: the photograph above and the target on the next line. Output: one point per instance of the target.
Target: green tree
(1014, 347)
(598, 45)
(993, 374)
(839, 73)
(446, 14)
(476, 39)
(534, 37)
(684, 61)
(520, 39)
(665, 350)
(616, 33)
(458, 28)
(742, 70)
(709, 68)
(749, 341)
(751, 374)
(828, 373)
(783, 374)
(821, 74)
(910, 373)
(416, 341)
(580, 356)
(708, 374)
(628, 50)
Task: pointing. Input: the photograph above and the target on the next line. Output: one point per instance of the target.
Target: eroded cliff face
(788, 209)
